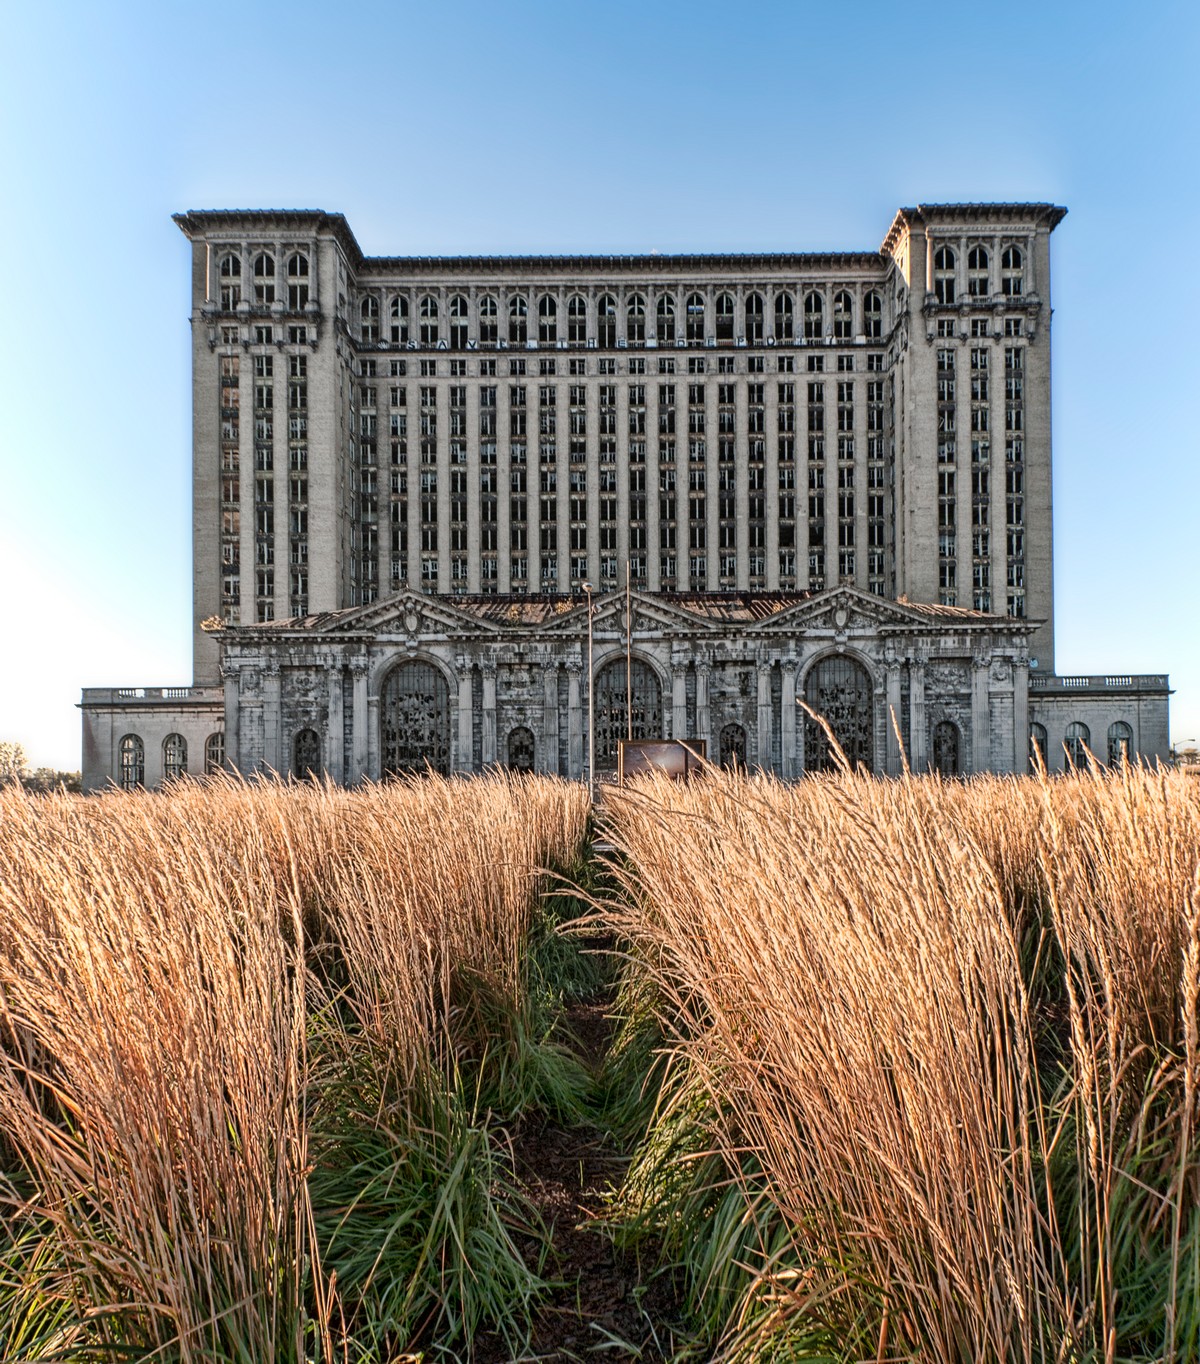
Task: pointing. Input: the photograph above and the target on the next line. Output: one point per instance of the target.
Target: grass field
(903, 1070)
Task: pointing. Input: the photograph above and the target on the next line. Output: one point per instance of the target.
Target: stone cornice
(921, 215)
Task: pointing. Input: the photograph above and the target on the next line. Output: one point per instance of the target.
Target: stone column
(788, 720)
(358, 750)
(892, 660)
(230, 674)
(574, 721)
(489, 711)
(462, 759)
(981, 744)
(273, 718)
(374, 757)
(335, 737)
(763, 667)
(1020, 713)
(703, 719)
(549, 761)
(678, 700)
(916, 708)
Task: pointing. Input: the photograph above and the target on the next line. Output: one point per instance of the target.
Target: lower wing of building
(769, 681)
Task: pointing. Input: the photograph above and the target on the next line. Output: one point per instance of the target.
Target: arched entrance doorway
(520, 749)
(839, 690)
(612, 709)
(414, 720)
(732, 748)
(945, 748)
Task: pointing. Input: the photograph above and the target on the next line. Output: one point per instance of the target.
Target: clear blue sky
(562, 127)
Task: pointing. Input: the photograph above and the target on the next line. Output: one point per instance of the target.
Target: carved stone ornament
(412, 621)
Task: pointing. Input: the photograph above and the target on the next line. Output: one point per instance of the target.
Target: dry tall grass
(166, 964)
(951, 1031)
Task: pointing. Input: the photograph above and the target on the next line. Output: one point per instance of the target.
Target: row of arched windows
(1077, 744)
(264, 280)
(131, 756)
(978, 277)
(548, 322)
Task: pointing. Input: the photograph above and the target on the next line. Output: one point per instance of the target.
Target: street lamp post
(587, 587)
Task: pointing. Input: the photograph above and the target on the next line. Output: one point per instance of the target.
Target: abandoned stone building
(823, 478)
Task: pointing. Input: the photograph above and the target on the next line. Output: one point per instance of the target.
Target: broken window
(297, 269)
(843, 316)
(1012, 269)
(944, 264)
(724, 317)
(755, 326)
(429, 321)
(547, 320)
(369, 313)
(264, 278)
(518, 321)
(977, 272)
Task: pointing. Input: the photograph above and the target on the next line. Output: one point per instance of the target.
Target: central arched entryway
(839, 690)
(414, 720)
(612, 708)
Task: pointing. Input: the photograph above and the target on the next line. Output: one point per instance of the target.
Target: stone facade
(490, 434)
(511, 678)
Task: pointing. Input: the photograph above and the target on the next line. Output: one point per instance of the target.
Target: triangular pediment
(411, 614)
(845, 610)
(650, 613)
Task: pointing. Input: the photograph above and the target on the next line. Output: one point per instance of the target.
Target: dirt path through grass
(604, 1306)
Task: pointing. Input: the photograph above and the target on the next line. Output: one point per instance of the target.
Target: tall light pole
(587, 587)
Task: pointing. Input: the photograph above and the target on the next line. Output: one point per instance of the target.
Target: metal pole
(587, 587)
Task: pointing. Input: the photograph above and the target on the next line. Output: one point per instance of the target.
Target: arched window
(732, 747)
(460, 316)
(414, 719)
(977, 272)
(547, 320)
(755, 326)
(576, 320)
(174, 757)
(814, 317)
(612, 708)
(231, 281)
(1012, 272)
(306, 755)
(785, 326)
(297, 269)
(132, 753)
(839, 690)
(724, 317)
(428, 314)
(945, 748)
(1077, 743)
(1120, 743)
(873, 316)
(944, 262)
(1037, 746)
(489, 321)
(635, 319)
(520, 749)
(695, 317)
(606, 322)
(398, 312)
(843, 316)
(370, 319)
(518, 320)
(666, 320)
(214, 754)
(264, 278)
